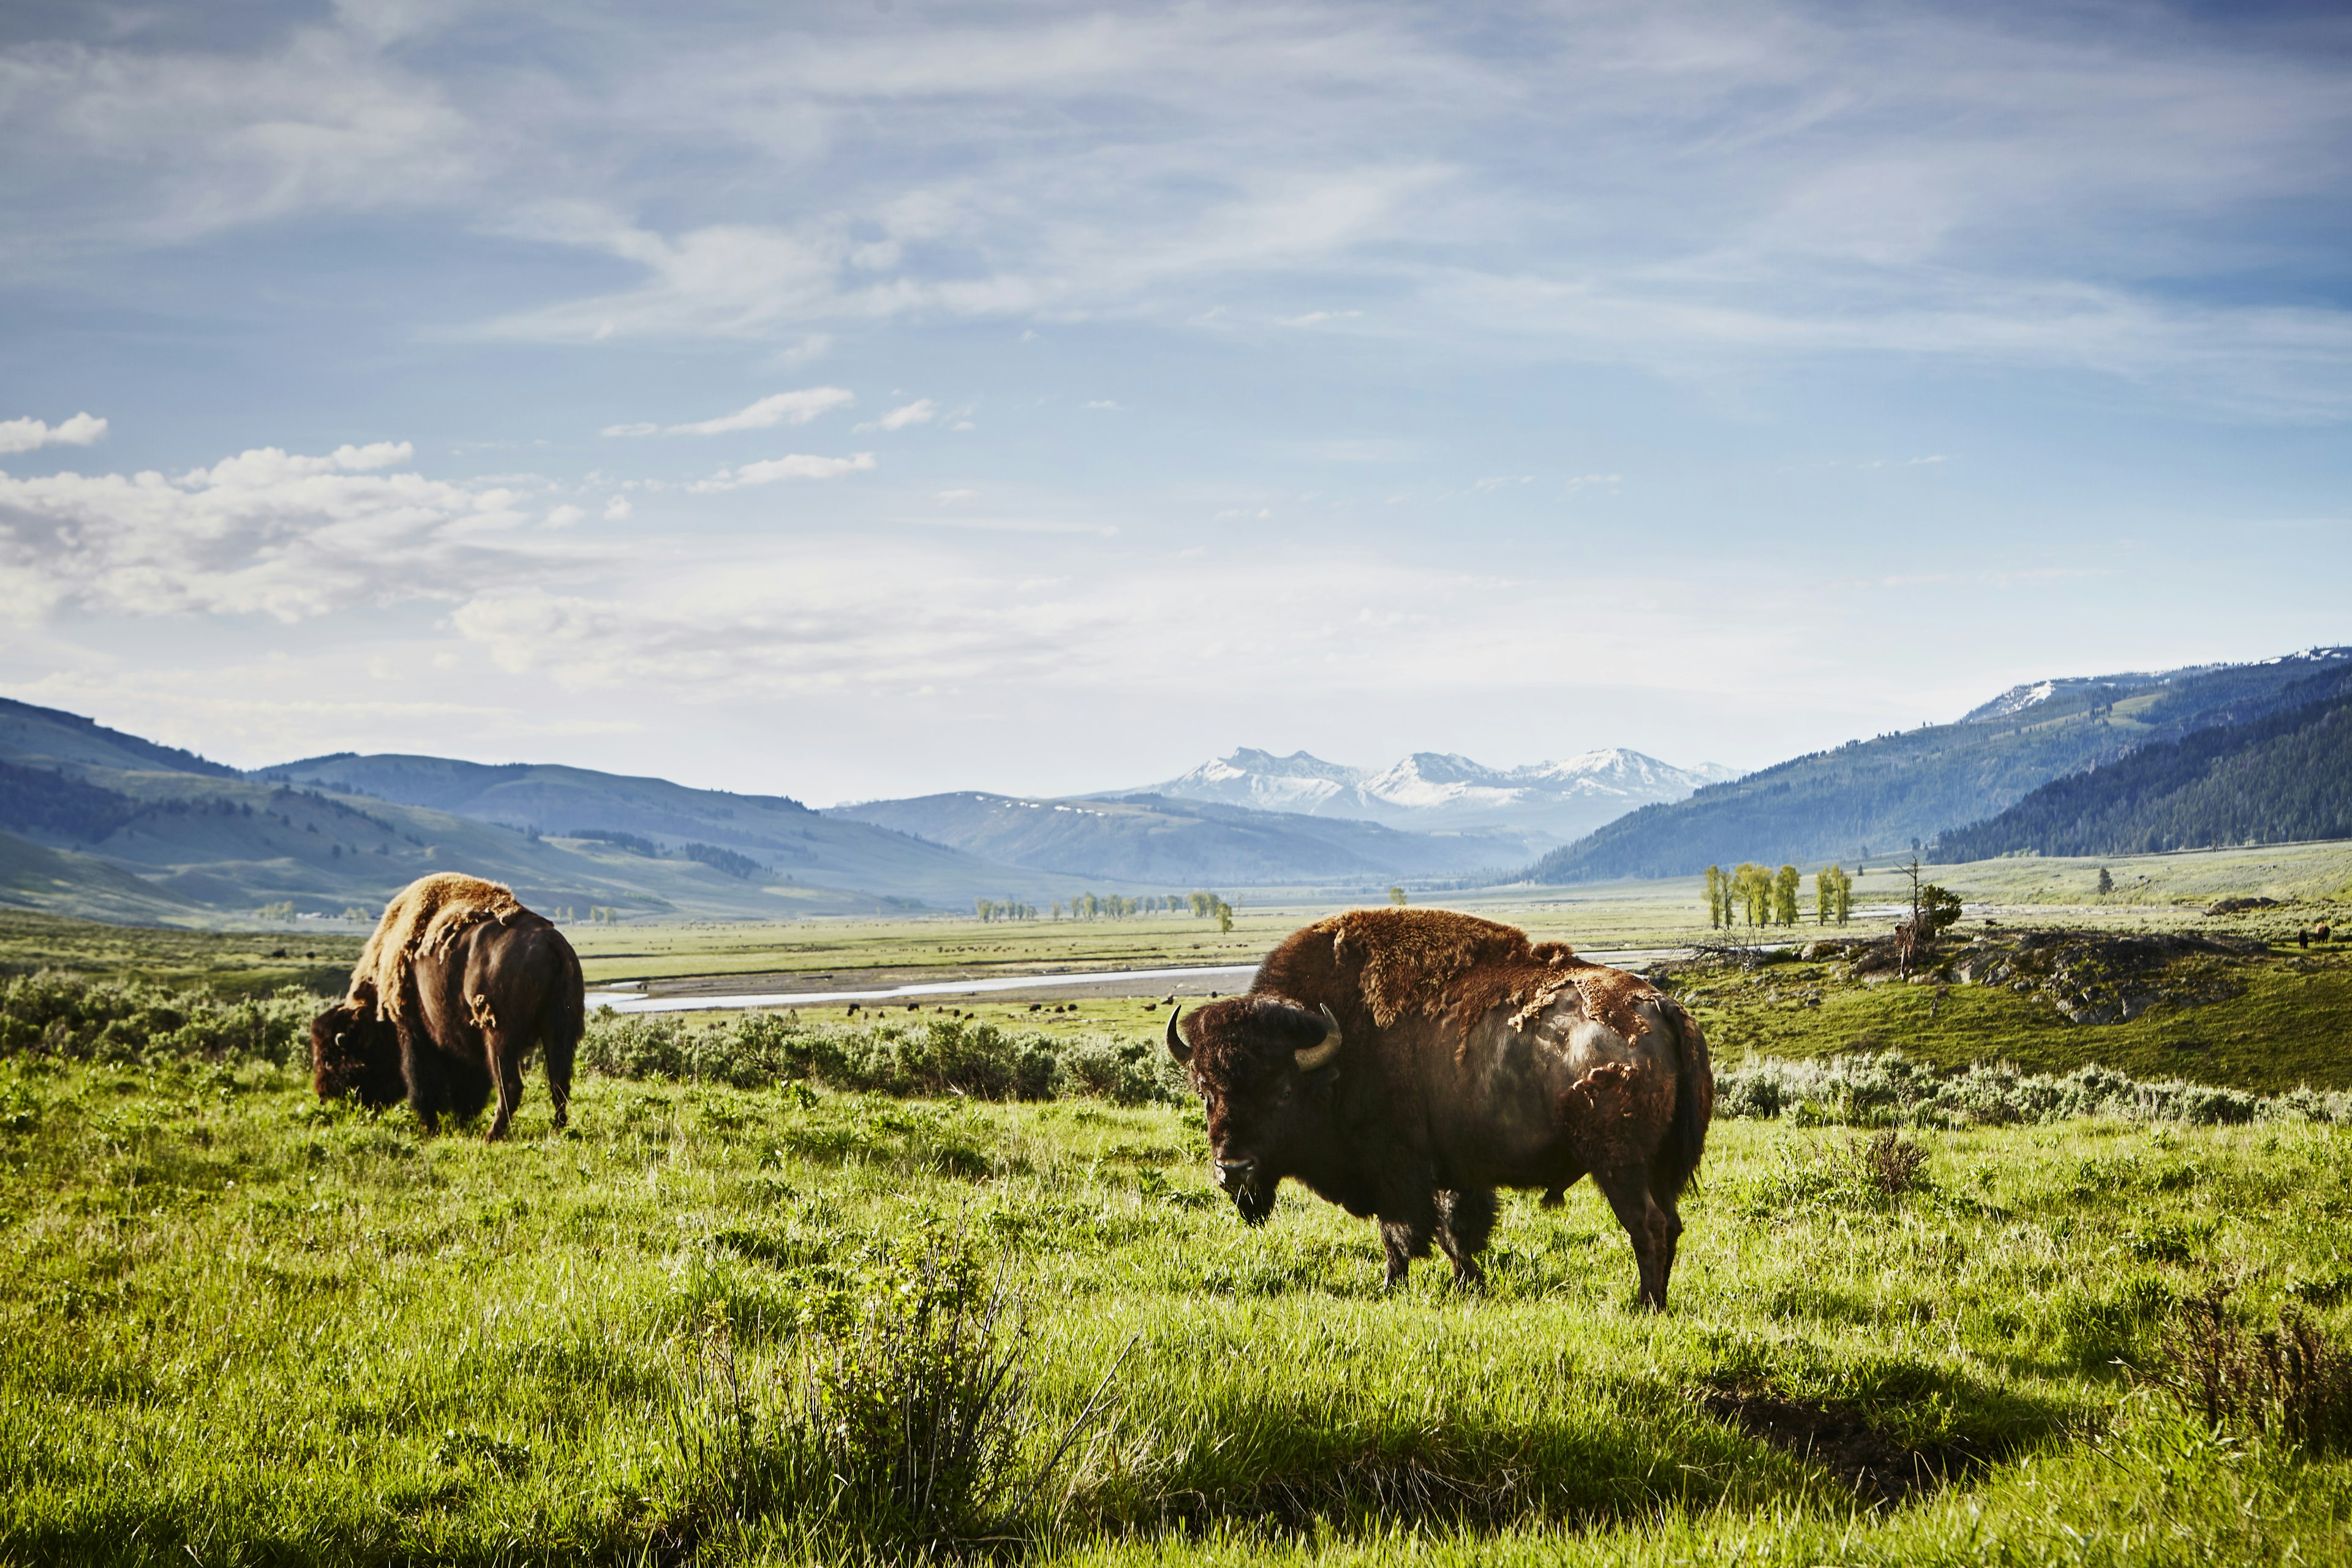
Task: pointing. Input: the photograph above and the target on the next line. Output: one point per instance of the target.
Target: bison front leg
(1407, 1221)
(1653, 1228)
(1464, 1221)
(420, 1066)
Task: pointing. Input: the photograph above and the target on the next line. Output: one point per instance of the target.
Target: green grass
(243, 1327)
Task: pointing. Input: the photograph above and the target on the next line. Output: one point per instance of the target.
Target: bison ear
(1322, 1053)
(1177, 1045)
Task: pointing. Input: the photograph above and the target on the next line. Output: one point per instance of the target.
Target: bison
(1406, 1063)
(457, 985)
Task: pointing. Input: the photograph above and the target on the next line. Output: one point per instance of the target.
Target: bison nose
(1233, 1172)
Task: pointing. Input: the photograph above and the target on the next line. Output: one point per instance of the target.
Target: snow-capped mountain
(1297, 782)
(1443, 792)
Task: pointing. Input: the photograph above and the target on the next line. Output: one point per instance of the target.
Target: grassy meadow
(248, 1327)
(821, 1291)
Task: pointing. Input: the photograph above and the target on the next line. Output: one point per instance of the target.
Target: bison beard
(1406, 1063)
(457, 984)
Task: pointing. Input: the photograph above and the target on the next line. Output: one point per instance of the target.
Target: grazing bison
(1406, 1063)
(457, 985)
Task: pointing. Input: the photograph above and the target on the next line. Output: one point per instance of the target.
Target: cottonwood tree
(1784, 896)
(1719, 906)
(1751, 885)
(1832, 894)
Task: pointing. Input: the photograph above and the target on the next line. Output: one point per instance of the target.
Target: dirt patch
(1880, 1470)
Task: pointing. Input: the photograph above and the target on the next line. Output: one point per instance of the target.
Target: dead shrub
(2292, 1381)
(1889, 1161)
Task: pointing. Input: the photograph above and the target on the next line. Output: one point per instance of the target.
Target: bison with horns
(1406, 1063)
(458, 984)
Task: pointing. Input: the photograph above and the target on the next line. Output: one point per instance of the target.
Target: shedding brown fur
(1460, 967)
(425, 917)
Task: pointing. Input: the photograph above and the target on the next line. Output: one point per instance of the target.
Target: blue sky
(861, 400)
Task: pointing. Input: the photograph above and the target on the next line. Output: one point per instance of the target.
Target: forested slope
(1877, 796)
(2280, 778)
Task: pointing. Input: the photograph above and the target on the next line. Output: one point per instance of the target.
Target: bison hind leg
(1654, 1227)
(1464, 1221)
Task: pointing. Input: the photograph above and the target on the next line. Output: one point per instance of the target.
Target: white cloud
(617, 509)
(946, 497)
(1101, 403)
(31, 434)
(564, 516)
(265, 531)
(782, 408)
(919, 412)
(865, 615)
(798, 465)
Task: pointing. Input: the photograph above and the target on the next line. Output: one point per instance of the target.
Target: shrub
(1889, 1161)
(63, 1015)
(926, 1056)
(904, 1429)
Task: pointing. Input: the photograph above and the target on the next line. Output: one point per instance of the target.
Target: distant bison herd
(1404, 1064)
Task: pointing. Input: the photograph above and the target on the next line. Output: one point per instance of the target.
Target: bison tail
(1678, 1159)
(567, 1013)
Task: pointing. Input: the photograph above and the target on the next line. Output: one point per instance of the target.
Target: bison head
(1264, 1068)
(355, 1051)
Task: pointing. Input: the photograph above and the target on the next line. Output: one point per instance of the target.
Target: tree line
(1113, 906)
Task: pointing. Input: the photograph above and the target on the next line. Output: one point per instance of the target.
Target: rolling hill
(99, 822)
(1881, 796)
(1167, 844)
(770, 831)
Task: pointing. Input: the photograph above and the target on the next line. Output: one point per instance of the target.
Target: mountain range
(1445, 792)
(96, 822)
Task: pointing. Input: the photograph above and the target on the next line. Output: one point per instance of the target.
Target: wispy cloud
(782, 408)
(798, 465)
(919, 412)
(31, 434)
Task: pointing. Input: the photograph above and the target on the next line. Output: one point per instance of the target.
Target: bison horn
(1320, 1055)
(1177, 1047)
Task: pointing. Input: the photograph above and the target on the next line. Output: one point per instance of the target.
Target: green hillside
(1881, 796)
